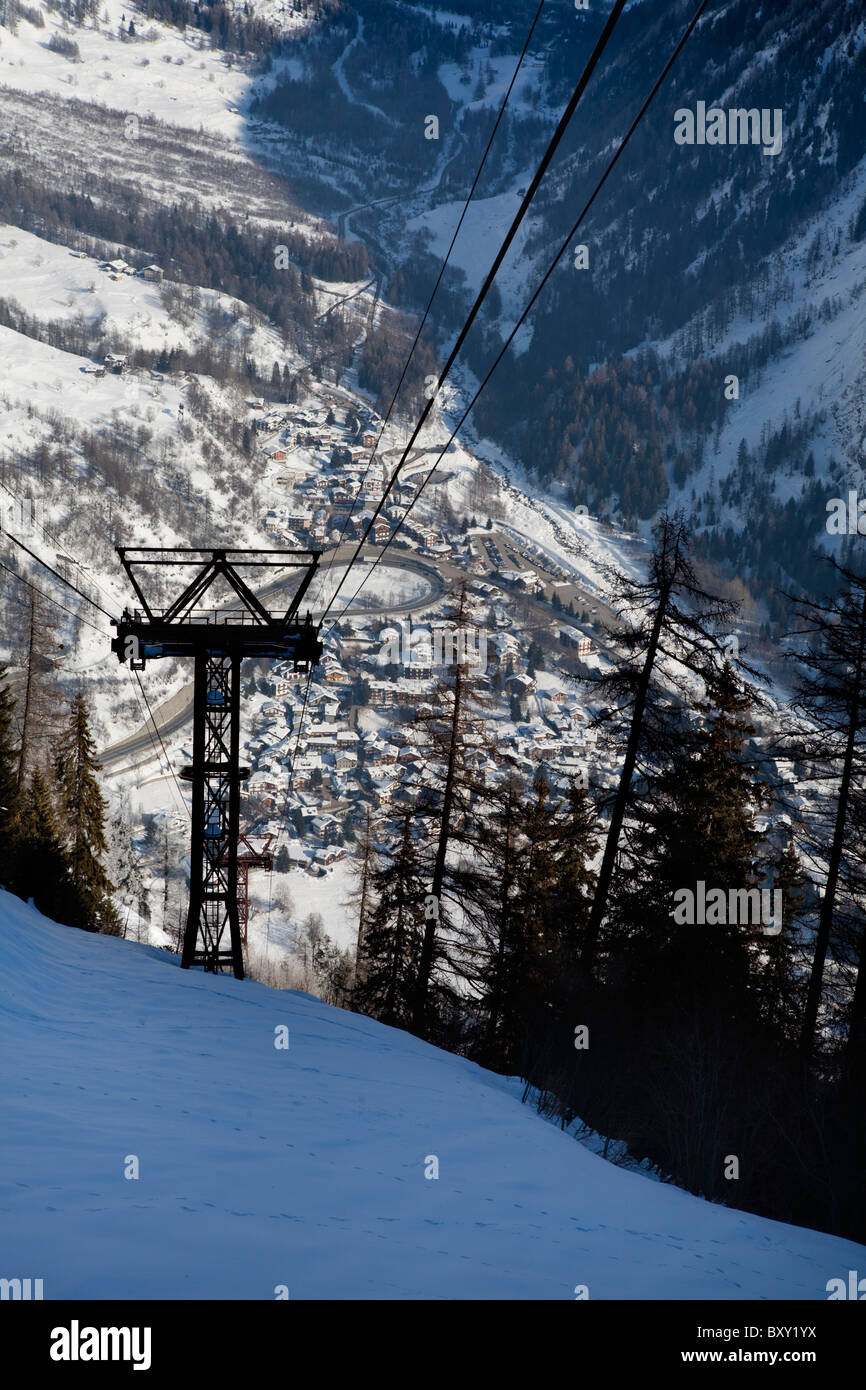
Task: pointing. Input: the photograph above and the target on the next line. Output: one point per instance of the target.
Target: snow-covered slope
(115, 71)
(305, 1167)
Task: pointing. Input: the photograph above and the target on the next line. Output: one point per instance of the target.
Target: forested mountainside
(702, 261)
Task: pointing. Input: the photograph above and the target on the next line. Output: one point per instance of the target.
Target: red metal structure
(250, 858)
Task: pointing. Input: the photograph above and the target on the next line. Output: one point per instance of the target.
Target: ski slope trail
(305, 1167)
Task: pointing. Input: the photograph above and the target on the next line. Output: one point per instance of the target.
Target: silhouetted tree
(82, 810)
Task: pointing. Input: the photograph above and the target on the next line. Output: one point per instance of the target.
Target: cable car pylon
(217, 639)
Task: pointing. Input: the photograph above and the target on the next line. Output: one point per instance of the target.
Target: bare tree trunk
(425, 962)
(828, 901)
(428, 944)
(605, 874)
(857, 1020)
(496, 1002)
(29, 691)
(362, 911)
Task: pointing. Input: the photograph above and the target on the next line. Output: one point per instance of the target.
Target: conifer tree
(535, 877)
(450, 743)
(393, 932)
(361, 893)
(569, 897)
(500, 929)
(8, 777)
(420, 1019)
(832, 695)
(668, 625)
(42, 871)
(538, 898)
(83, 812)
(32, 708)
(778, 978)
(124, 867)
(554, 899)
(698, 826)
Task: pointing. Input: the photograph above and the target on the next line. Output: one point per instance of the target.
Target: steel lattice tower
(218, 639)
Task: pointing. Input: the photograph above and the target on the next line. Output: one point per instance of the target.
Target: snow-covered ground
(47, 377)
(486, 222)
(311, 1167)
(52, 282)
(328, 896)
(822, 369)
(131, 74)
(382, 586)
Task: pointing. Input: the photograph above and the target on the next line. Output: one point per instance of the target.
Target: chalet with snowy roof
(520, 685)
(321, 736)
(326, 828)
(329, 854)
(326, 706)
(399, 692)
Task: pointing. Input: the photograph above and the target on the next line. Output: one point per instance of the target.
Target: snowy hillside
(221, 222)
(305, 1167)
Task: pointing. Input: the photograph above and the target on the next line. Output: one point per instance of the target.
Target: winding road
(175, 713)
